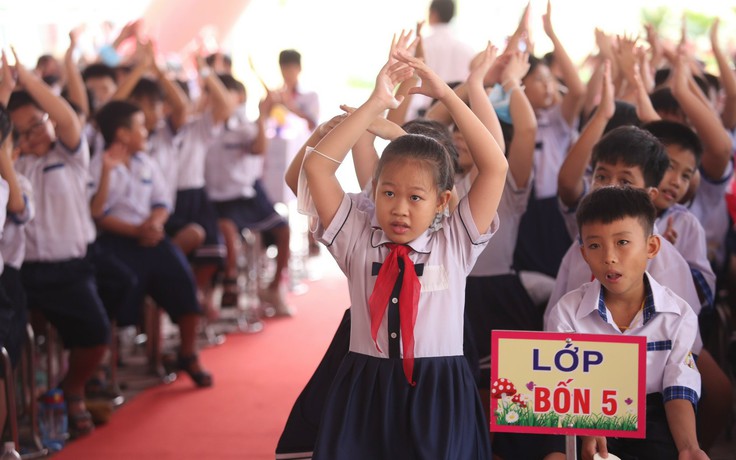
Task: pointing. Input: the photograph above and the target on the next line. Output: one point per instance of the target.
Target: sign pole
(571, 447)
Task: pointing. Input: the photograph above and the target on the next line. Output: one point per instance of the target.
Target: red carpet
(257, 379)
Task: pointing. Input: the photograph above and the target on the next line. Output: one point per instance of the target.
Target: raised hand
(670, 234)
(626, 56)
(516, 68)
(432, 85)
(607, 105)
(482, 64)
(379, 127)
(680, 70)
(266, 104)
(547, 21)
(21, 71)
(394, 71)
(714, 34)
(7, 84)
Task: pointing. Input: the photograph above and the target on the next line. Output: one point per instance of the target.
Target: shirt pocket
(434, 278)
(56, 179)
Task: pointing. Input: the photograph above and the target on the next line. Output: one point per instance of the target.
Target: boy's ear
(122, 135)
(653, 192)
(653, 245)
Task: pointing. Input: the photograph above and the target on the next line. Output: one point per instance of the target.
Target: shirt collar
(654, 302)
(420, 244)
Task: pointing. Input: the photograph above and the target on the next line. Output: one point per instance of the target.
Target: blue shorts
(163, 273)
(194, 206)
(66, 293)
(257, 213)
(115, 281)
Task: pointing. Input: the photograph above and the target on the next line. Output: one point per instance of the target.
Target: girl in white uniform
(406, 282)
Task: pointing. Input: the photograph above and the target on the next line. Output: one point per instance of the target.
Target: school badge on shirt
(689, 360)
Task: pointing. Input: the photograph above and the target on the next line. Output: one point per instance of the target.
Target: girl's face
(540, 87)
(407, 200)
(676, 180)
(33, 131)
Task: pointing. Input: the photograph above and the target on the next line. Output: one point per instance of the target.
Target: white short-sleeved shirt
(62, 227)
(709, 207)
(667, 321)
(13, 241)
(231, 170)
(95, 141)
(498, 257)
(196, 136)
(554, 137)
(446, 54)
(163, 147)
(134, 190)
(446, 255)
(669, 268)
(691, 244)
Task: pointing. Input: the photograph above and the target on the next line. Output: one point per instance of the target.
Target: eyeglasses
(35, 128)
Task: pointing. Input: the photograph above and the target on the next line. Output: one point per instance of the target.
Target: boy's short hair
(114, 115)
(445, 9)
(147, 89)
(633, 146)
(99, 71)
(287, 57)
(662, 75)
(674, 133)
(211, 58)
(231, 83)
(608, 204)
(20, 99)
(663, 101)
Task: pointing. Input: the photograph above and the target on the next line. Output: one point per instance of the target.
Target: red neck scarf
(408, 301)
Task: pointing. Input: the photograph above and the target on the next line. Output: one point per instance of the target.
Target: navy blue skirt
(373, 413)
(300, 432)
(496, 302)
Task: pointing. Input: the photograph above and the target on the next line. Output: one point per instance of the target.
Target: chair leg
(250, 320)
(32, 401)
(10, 396)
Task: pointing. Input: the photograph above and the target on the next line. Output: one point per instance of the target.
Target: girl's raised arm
(485, 192)
(320, 166)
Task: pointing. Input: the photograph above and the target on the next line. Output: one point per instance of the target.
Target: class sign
(568, 384)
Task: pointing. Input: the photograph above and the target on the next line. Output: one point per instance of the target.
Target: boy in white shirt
(617, 242)
(130, 207)
(56, 273)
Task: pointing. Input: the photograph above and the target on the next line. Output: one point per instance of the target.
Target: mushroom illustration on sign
(518, 399)
(502, 389)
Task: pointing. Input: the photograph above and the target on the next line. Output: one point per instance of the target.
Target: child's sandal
(80, 422)
(202, 379)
